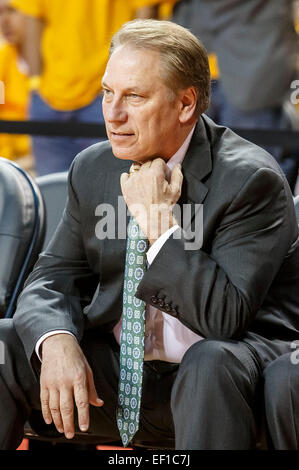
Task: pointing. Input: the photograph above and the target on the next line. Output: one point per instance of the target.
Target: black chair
(296, 202)
(22, 230)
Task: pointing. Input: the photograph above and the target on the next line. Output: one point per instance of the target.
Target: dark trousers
(282, 401)
(208, 401)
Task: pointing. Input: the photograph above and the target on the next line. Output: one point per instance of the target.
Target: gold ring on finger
(134, 167)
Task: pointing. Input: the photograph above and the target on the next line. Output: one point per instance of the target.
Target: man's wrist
(160, 221)
(51, 341)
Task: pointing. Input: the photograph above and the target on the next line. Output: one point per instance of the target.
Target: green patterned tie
(132, 336)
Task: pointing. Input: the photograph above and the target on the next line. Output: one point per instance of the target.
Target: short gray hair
(184, 59)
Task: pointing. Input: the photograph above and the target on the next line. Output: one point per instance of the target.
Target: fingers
(158, 164)
(82, 403)
(64, 379)
(54, 405)
(135, 167)
(59, 408)
(44, 398)
(92, 393)
(176, 180)
(123, 179)
(147, 164)
(67, 412)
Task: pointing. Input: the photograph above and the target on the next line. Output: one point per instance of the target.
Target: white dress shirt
(166, 338)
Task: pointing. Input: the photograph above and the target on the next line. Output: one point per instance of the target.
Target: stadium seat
(296, 202)
(22, 228)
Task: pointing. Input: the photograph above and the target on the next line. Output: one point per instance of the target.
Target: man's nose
(116, 112)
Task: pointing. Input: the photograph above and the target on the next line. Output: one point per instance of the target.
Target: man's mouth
(122, 134)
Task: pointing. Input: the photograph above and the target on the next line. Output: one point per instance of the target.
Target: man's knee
(212, 355)
(213, 364)
(16, 373)
(8, 339)
(280, 376)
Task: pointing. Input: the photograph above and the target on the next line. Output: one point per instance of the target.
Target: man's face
(141, 113)
(11, 23)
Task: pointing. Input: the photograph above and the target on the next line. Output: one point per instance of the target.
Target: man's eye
(106, 92)
(134, 96)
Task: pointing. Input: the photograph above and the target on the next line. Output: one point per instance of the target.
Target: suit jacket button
(154, 300)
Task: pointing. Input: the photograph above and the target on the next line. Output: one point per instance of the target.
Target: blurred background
(53, 55)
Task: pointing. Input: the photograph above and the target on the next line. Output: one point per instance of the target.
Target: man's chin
(126, 155)
(122, 156)
(129, 154)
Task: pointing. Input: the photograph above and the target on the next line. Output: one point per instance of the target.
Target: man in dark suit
(217, 311)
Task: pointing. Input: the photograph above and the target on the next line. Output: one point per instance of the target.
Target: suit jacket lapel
(197, 164)
(107, 300)
(113, 256)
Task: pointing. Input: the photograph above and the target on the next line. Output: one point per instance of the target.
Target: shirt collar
(179, 156)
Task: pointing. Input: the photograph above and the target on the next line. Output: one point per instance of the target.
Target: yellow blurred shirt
(166, 8)
(75, 45)
(15, 101)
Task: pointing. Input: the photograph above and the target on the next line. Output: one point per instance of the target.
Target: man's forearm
(32, 46)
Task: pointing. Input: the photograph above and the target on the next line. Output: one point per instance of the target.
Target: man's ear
(188, 101)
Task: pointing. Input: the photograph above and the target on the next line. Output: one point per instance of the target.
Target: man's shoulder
(237, 164)
(237, 157)
(93, 154)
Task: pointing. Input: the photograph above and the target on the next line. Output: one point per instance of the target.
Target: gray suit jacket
(255, 42)
(242, 284)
